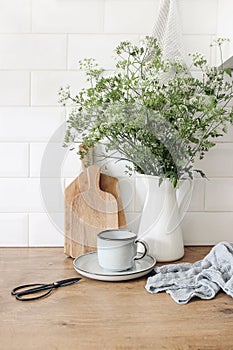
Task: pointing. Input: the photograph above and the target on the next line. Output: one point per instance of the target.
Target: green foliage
(152, 111)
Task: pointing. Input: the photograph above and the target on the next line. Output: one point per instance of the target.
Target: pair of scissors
(38, 288)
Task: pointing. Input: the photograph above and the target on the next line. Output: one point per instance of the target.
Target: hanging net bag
(168, 31)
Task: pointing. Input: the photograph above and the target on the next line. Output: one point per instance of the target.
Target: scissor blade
(67, 282)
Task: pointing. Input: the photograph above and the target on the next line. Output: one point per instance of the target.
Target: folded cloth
(202, 279)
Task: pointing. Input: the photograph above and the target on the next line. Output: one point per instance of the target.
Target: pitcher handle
(182, 206)
(186, 199)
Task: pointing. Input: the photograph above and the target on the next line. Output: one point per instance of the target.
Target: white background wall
(41, 42)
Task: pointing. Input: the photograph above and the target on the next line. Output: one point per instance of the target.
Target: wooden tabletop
(103, 315)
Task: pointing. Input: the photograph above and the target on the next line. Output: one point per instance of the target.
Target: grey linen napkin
(202, 279)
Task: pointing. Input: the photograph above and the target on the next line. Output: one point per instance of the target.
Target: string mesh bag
(168, 30)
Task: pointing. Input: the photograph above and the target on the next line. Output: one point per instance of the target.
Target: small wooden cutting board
(80, 184)
(92, 211)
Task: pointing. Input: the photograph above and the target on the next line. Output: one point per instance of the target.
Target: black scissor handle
(18, 296)
(16, 290)
(20, 291)
(26, 289)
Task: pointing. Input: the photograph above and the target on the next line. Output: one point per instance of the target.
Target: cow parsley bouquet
(149, 111)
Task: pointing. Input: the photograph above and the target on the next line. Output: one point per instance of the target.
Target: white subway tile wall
(219, 194)
(198, 43)
(31, 124)
(14, 229)
(20, 195)
(198, 16)
(224, 27)
(67, 16)
(46, 84)
(207, 227)
(14, 88)
(64, 162)
(32, 51)
(14, 159)
(44, 231)
(130, 16)
(15, 16)
(41, 43)
(100, 46)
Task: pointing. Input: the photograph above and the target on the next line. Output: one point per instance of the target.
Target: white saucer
(87, 265)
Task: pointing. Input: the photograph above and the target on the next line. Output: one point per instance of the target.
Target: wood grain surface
(103, 315)
(80, 184)
(92, 211)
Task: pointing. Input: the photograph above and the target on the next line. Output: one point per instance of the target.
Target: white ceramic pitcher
(160, 220)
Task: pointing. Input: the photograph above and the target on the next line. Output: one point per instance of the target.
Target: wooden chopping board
(92, 211)
(80, 184)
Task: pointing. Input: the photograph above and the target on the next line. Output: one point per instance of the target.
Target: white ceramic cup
(117, 249)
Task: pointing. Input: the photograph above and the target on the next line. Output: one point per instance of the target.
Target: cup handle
(145, 249)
